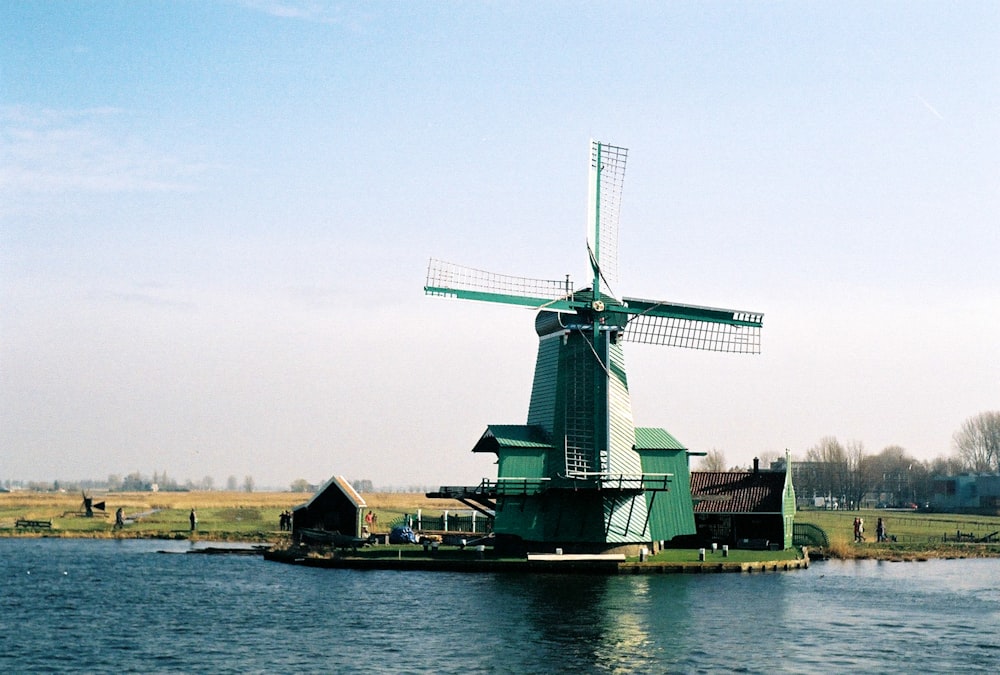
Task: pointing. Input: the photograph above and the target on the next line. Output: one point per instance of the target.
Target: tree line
(847, 473)
(136, 482)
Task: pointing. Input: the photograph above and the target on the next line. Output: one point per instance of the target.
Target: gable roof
(737, 491)
(339, 483)
(512, 436)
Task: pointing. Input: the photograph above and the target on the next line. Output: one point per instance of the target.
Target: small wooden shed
(336, 507)
(744, 509)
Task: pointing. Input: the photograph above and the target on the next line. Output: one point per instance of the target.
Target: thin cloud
(930, 107)
(333, 14)
(149, 295)
(53, 152)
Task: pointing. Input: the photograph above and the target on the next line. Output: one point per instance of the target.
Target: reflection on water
(574, 621)
(100, 606)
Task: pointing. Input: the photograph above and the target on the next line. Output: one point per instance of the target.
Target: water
(120, 606)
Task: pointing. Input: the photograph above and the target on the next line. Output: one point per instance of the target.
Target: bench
(25, 523)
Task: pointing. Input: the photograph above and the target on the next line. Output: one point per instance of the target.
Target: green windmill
(580, 475)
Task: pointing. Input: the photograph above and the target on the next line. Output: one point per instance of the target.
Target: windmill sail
(693, 327)
(456, 281)
(607, 177)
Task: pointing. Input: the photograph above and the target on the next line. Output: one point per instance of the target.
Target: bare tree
(892, 475)
(830, 469)
(978, 442)
(769, 457)
(859, 478)
(715, 460)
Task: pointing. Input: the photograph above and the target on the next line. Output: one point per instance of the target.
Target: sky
(216, 217)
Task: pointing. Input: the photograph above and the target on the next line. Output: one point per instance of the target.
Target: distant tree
(892, 475)
(977, 442)
(830, 471)
(300, 485)
(248, 484)
(363, 485)
(114, 482)
(769, 457)
(163, 482)
(921, 482)
(207, 483)
(859, 478)
(946, 466)
(135, 482)
(232, 484)
(714, 460)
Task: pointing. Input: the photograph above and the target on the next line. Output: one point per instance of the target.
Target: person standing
(119, 518)
(880, 531)
(194, 520)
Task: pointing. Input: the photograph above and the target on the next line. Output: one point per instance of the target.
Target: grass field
(253, 516)
(221, 515)
(916, 532)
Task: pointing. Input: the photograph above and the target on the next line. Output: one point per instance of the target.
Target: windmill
(88, 505)
(579, 474)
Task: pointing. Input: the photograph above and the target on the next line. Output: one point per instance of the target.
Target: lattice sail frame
(606, 182)
(451, 280)
(693, 334)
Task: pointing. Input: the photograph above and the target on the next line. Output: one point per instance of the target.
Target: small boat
(336, 539)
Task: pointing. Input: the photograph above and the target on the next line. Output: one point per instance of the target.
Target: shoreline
(837, 551)
(550, 565)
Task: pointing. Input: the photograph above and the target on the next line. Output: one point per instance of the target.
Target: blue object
(402, 535)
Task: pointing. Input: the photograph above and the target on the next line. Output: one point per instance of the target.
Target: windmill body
(579, 474)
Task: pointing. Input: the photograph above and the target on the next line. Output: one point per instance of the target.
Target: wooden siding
(545, 386)
(671, 514)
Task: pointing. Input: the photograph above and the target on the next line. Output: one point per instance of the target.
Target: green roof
(512, 436)
(653, 438)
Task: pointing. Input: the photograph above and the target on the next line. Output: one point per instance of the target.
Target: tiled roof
(737, 491)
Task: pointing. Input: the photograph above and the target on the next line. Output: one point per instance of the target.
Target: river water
(69, 605)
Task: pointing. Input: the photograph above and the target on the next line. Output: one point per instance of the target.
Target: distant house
(744, 509)
(967, 492)
(336, 507)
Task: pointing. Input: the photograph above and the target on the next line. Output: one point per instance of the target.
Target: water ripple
(99, 606)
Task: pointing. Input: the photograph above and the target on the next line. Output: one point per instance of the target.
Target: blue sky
(215, 219)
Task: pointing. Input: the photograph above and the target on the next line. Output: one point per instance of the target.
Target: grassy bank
(918, 535)
(253, 516)
(246, 516)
